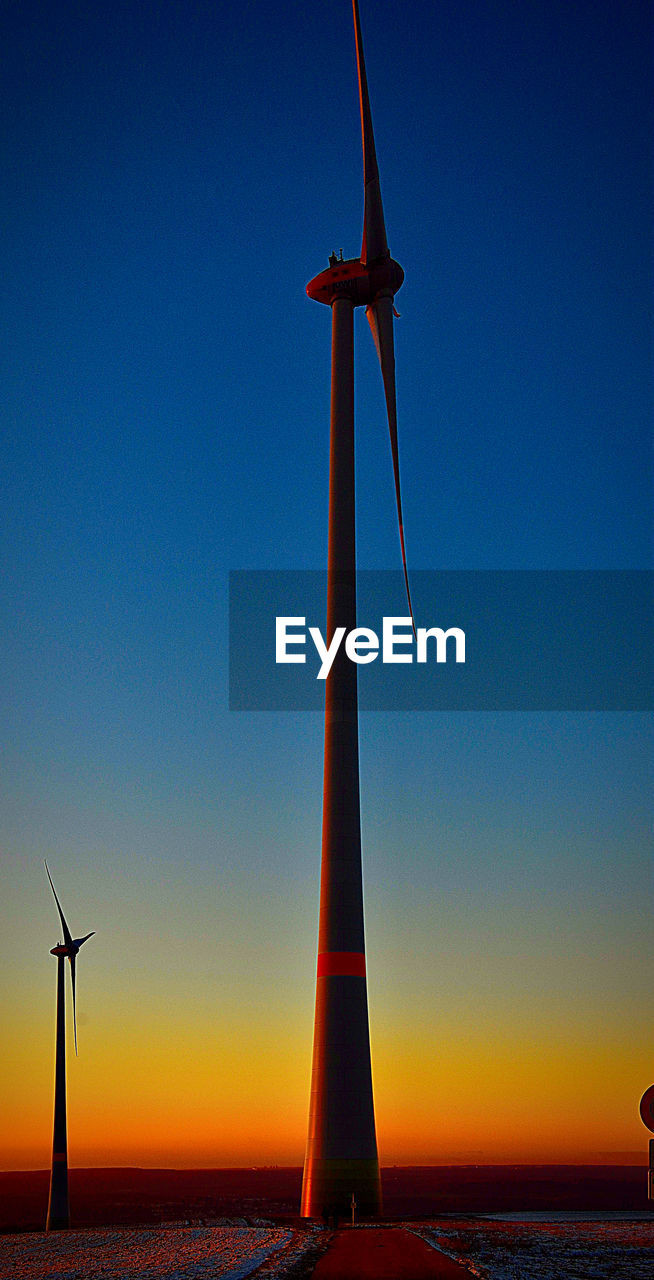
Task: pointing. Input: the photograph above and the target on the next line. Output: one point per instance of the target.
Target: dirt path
(384, 1253)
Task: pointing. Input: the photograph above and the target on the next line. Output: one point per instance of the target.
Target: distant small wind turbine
(58, 1205)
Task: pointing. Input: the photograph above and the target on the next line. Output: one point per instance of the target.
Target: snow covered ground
(567, 1247)
(153, 1253)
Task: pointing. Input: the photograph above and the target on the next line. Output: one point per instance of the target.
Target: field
(155, 1253)
(555, 1249)
(561, 1249)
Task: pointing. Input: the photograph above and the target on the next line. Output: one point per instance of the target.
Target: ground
(549, 1247)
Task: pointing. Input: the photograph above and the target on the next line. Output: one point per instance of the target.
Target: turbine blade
(374, 244)
(67, 938)
(72, 978)
(380, 319)
(77, 942)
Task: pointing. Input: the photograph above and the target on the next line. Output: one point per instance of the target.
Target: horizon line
(618, 1159)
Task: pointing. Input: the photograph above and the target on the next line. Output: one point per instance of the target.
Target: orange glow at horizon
(141, 1093)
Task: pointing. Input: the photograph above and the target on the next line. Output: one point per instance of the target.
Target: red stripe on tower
(342, 964)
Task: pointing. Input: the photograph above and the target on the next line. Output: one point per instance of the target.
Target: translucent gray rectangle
(534, 640)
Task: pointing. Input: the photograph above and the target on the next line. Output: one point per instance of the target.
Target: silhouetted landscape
(112, 1197)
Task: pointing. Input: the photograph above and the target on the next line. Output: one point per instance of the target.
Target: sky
(174, 175)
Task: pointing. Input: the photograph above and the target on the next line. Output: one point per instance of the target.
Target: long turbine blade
(374, 243)
(380, 319)
(67, 937)
(72, 978)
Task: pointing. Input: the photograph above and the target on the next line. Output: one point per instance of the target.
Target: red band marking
(345, 964)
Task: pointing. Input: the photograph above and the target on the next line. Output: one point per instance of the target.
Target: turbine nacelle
(70, 949)
(363, 284)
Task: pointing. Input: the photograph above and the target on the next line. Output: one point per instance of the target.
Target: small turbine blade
(67, 938)
(380, 319)
(374, 245)
(72, 979)
(77, 942)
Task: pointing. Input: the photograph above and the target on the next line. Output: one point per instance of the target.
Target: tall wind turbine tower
(341, 1157)
(58, 1205)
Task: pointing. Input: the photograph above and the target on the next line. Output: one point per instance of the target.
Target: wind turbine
(58, 1204)
(341, 1156)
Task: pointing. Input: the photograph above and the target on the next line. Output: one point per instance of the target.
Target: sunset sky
(173, 175)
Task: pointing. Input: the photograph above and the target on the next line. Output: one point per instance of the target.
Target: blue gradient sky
(174, 176)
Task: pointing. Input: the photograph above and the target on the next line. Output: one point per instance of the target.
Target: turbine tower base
(329, 1186)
